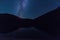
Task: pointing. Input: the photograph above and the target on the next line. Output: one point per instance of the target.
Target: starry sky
(31, 8)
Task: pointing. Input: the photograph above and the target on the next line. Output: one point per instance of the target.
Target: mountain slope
(49, 22)
(9, 23)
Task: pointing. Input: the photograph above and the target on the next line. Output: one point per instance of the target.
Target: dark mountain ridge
(10, 23)
(49, 22)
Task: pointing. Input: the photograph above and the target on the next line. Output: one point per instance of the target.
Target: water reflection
(26, 33)
(20, 30)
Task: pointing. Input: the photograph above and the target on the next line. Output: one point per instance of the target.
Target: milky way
(21, 6)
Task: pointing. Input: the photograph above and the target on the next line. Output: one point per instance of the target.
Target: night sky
(32, 8)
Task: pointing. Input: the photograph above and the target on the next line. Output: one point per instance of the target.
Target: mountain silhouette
(49, 22)
(10, 23)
